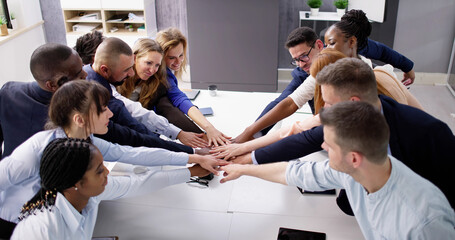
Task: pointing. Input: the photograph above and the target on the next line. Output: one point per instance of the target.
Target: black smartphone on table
(295, 234)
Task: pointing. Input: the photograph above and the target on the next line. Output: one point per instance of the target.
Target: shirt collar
(73, 219)
(384, 191)
(70, 215)
(60, 133)
(170, 71)
(92, 75)
(42, 95)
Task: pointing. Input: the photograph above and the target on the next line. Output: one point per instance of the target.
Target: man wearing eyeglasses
(304, 46)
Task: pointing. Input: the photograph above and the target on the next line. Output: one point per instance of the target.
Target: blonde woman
(153, 88)
(174, 45)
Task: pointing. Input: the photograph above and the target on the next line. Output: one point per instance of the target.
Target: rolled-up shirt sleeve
(313, 176)
(305, 92)
(138, 184)
(139, 155)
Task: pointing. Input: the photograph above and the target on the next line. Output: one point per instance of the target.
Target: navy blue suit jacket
(126, 130)
(425, 144)
(373, 50)
(23, 112)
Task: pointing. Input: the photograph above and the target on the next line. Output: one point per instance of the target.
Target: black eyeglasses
(303, 58)
(198, 182)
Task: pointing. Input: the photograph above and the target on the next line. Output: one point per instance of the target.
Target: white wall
(424, 33)
(14, 63)
(16, 52)
(28, 12)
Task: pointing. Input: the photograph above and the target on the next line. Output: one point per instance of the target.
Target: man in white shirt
(389, 200)
(304, 46)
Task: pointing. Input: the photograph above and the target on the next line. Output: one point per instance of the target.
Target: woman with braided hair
(350, 36)
(355, 23)
(78, 109)
(73, 182)
(301, 89)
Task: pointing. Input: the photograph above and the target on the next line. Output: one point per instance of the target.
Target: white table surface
(247, 208)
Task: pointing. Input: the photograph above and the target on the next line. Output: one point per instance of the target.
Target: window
(4, 13)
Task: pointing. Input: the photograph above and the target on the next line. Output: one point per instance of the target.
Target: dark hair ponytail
(355, 23)
(63, 164)
(76, 95)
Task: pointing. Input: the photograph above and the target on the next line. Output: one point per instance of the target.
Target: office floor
(437, 101)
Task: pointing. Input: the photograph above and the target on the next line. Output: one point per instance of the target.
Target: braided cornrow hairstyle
(63, 164)
(355, 23)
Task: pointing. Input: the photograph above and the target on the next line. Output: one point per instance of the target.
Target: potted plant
(314, 5)
(13, 21)
(3, 28)
(341, 6)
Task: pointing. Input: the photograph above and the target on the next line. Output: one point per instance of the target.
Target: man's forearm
(262, 141)
(282, 110)
(274, 172)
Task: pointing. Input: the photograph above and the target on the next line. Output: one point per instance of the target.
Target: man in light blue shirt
(389, 200)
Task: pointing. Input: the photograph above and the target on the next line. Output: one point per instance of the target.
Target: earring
(75, 188)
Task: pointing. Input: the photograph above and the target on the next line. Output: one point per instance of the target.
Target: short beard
(118, 83)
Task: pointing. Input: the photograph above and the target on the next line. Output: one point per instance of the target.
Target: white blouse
(19, 172)
(63, 221)
(305, 91)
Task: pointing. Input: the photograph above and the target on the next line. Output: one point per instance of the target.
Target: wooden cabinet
(75, 18)
(119, 19)
(123, 19)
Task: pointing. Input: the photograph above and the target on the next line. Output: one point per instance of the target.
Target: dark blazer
(374, 50)
(23, 112)
(126, 130)
(425, 144)
(422, 142)
(292, 147)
